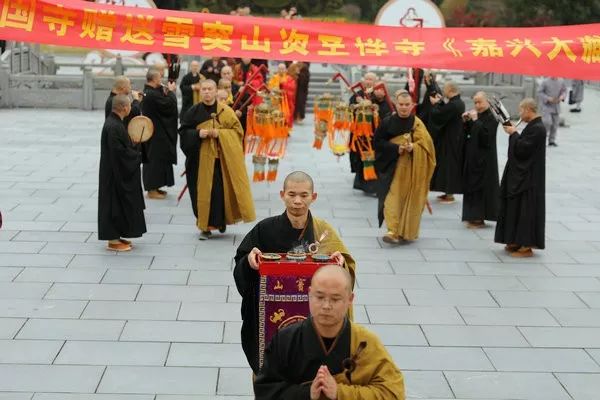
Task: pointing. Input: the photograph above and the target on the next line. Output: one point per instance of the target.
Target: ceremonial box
(283, 293)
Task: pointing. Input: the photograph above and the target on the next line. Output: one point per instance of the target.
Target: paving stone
(60, 275)
(34, 260)
(40, 236)
(413, 315)
(418, 297)
(41, 308)
(577, 317)
(507, 316)
(192, 263)
(29, 351)
(426, 384)
(396, 335)
(50, 378)
(19, 290)
(81, 396)
(234, 381)
(440, 358)
(379, 297)
(158, 380)
(173, 331)
(10, 326)
(212, 312)
(110, 261)
(381, 281)
(231, 333)
(581, 386)
(541, 360)
(71, 329)
(566, 284)
(591, 299)
(480, 282)
(206, 355)
(459, 255)
(566, 337)
(131, 310)
(113, 353)
(536, 299)
(574, 270)
(477, 336)
(506, 385)
(89, 291)
(146, 277)
(431, 268)
(513, 269)
(209, 278)
(21, 247)
(182, 293)
(7, 274)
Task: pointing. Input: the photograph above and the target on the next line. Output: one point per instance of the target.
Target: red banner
(564, 51)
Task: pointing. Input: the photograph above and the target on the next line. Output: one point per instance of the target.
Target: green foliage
(551, 12)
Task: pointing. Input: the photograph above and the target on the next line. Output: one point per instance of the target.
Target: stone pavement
(461, 318)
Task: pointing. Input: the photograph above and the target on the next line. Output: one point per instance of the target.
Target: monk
(404, 160)
(295, 229)
(286, 83)
(211, 139)
(327, 356)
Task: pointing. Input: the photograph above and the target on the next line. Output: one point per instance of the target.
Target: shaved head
(120, 102)
(450, 89)
(333, 272)
(529, 104)
(481, 102)
(298, 177)
(122, 85)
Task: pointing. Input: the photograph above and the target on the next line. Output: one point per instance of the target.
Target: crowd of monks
(433, 145)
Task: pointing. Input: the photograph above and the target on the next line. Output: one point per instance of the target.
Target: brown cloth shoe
(511, 247)
(523, 252)
(155, 194)
(118, 247)
(390, 238)
(475, 224)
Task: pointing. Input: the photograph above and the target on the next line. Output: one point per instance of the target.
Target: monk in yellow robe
(211, 139)
(293, 230)
(285, 81)
(327, 356)
(404, 160)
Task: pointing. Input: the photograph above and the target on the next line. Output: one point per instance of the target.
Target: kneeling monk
(211, 139)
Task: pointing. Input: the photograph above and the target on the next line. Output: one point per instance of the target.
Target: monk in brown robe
(211, 139)
(404, 160)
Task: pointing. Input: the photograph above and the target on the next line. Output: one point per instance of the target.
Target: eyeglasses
(321, 300)
(349, 364)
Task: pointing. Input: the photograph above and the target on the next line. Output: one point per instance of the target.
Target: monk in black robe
(326, 356)
(215, 170)
(481, 183)
(120, 198)
(160, 105)
(188, 85)
(356, 164)
(211, 68)
(295, 229)
(122, 85)
(302, 91)
(446, 129)
(431, 90)
(522, 215)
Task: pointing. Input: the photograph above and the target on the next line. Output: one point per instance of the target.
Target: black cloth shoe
(553, 144)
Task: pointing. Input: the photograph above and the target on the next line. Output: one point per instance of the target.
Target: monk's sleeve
(271, 382)
(231, 126)
(524, 145)
(246, 278)
(189, 141)
(382, 145)
(125, 159)
(387, 381)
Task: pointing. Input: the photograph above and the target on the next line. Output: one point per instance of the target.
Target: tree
(551, 12)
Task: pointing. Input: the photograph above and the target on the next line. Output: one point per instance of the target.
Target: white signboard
(410, 14)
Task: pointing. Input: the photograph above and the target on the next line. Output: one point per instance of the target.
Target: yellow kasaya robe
(406, 195)
(296, 353)
(239, 205)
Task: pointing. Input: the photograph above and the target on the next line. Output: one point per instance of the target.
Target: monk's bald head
(122, 85)
(481, 102)
(298, 177)
(451, 89)
(333, 273)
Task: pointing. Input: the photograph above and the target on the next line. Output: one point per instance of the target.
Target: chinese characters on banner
(566, 51)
